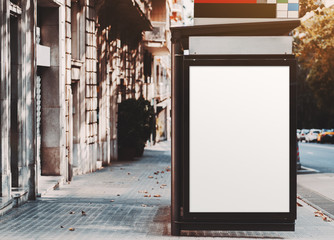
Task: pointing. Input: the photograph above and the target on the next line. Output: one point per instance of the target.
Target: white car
(298, 134)
(303, 133)
(312, 135)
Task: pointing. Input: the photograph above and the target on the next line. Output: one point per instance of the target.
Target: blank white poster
(239, 139)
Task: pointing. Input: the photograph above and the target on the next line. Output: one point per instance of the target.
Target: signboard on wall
(268, 9)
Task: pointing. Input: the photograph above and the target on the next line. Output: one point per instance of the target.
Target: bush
(136, 122)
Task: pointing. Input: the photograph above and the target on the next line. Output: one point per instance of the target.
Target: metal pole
(176, 75)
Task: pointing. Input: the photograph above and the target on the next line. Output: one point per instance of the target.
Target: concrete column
(5, 173)
(53, 92)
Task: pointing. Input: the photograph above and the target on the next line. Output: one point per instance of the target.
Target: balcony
(177, 13)
(157, 41)
(125, 15)
(145, 7)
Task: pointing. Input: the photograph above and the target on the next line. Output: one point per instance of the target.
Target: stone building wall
(59, 116)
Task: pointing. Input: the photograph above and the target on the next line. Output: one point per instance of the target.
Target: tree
(306, 6)
(136, 123)
(314, 49)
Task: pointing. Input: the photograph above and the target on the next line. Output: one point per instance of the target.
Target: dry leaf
(147, 195)
(61, 226)
(162, 172)
(72, 212)
(83, 213)
(144, 205)
(71, 229)
(299, 205)
(129, 173)
(157, 195)
(318, 214)
(157, 182)
(164, 185)
(326, 219)
(150, 176)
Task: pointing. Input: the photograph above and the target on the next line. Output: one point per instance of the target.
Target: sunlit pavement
(316, 182)
(129, 200)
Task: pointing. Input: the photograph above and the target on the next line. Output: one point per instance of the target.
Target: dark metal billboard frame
(182, 218)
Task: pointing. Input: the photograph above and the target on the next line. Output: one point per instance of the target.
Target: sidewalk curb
(53, 185)
(329, 215)
(305, 170)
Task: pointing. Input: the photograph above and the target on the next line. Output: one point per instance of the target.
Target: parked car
(312, 135)
(298, 134)
(303, 133)
(326, 136)
(299, 165)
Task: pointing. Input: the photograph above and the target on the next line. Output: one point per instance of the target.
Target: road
(317, 156)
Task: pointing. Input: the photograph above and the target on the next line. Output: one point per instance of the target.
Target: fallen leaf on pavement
(164, 185)
(61, 226)
(326, 219)
(147, 195)
(71, 212)
(71, 229)
(83, 213)
(143, 191)
(150, 176)
(157, 195)
(318, 214)
(299, 205)
(112, 200)
(144, 205)
(162, 172)
(129, 173)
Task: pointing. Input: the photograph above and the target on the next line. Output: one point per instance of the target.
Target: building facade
(65, 66)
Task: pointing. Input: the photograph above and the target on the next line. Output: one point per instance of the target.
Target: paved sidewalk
(129, 200)
(318, 189)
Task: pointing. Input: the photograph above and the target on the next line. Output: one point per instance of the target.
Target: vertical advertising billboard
(234, 165)
(239, 165)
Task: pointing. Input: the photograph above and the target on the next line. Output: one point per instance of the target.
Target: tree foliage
(314, 48)
(136, 123)
(306, 6)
